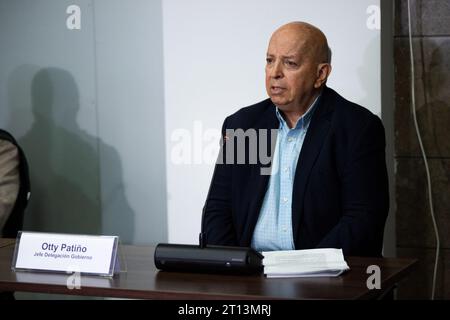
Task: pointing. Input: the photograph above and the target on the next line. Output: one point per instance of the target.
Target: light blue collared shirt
(273, 230)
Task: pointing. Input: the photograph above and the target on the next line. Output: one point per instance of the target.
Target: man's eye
(269, 60)
(291, 63)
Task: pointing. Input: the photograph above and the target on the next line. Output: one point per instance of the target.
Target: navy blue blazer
(340, 194)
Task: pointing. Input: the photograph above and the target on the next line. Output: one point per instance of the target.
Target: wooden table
(142, 280)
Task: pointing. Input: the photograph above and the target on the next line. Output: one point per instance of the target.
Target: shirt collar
(303, 121)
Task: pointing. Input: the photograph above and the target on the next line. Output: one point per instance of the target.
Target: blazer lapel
(259, 181)
(317, 131)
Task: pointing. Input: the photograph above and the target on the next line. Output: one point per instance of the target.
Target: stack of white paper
(304, 263)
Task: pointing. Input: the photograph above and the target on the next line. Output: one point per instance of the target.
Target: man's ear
(323, 71)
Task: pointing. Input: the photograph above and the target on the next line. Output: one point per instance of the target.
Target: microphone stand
(204, 258)
(202, 238)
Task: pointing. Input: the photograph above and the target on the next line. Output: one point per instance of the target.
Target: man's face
(291, 72)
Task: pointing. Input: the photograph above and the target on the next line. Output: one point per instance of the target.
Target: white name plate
(93, 255)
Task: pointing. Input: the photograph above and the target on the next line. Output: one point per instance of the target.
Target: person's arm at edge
(9, 180)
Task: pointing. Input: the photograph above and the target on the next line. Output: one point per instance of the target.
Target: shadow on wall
(64, 161)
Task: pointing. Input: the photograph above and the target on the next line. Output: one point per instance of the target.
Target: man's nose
(276, 70)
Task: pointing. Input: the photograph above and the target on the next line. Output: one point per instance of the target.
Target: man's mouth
(276, 89)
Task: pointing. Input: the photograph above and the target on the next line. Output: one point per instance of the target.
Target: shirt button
(286, 169)
(284, 229)
(285, 199)
(290, 139)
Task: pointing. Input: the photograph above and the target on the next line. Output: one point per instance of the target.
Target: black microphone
(207, 258)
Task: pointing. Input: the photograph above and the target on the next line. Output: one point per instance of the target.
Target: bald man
(325, 184)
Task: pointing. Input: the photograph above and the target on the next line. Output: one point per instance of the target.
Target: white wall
(214, 56)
